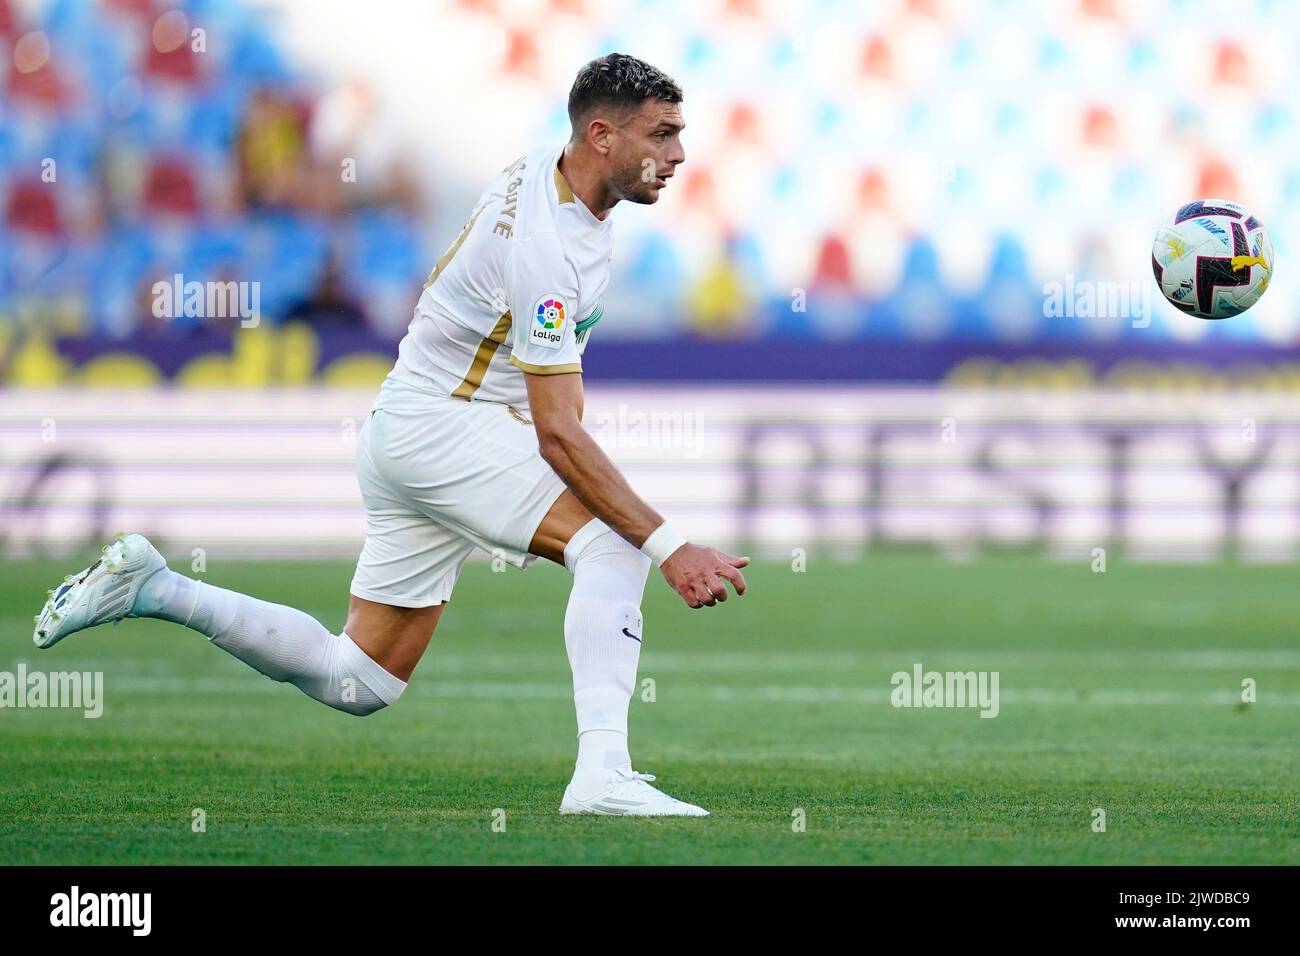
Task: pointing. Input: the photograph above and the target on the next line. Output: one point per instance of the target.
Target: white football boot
(628, 794)
(104, 592)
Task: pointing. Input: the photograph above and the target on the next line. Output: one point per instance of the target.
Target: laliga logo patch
(548, 317)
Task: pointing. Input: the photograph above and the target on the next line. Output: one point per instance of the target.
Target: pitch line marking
(775, 693)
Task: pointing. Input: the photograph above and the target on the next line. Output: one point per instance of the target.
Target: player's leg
(404, 577)
(602, 635)
(359, 671)
(602, 631)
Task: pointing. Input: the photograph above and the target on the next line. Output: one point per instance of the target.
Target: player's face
(646, 151)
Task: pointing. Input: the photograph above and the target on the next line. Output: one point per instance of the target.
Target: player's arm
(556, 405)
(542, 287)
(696, 573)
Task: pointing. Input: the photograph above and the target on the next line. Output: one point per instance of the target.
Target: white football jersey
(518, 291)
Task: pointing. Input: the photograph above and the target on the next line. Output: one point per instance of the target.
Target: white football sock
(283, 643)
(602, 633)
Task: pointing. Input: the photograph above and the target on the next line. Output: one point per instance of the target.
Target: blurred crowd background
(874, 193)
(910, 172)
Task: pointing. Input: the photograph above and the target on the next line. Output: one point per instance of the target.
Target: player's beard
(633, 188)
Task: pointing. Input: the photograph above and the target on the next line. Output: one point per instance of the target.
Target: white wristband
(663, 541)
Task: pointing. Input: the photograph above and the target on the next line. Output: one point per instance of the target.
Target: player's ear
(600, 134)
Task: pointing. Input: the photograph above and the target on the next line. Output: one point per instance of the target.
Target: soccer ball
(1213, 259)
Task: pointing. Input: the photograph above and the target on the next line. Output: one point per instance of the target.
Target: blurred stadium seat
(918, 170)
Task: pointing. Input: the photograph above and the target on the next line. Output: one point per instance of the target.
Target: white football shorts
(441, 476)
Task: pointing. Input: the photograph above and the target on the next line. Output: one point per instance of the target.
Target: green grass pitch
(1119, 691)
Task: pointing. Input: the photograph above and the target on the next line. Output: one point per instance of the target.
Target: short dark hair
(619, 81)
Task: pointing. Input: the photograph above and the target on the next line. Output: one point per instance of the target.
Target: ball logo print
(548, 316)
(550, 312)
(1212, 259)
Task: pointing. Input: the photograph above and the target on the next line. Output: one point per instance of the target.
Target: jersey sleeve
(543, 297)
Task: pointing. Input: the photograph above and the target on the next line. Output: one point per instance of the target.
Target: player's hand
(699, 574)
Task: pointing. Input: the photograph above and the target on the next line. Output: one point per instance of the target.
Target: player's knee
(361, 707)
(359, 699)
(596, 545)
(636, 564)
(357, 685)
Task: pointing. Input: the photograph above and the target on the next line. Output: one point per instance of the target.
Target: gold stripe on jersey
(546, 369)
(562, 187)
(482, 357)
(452, 249)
